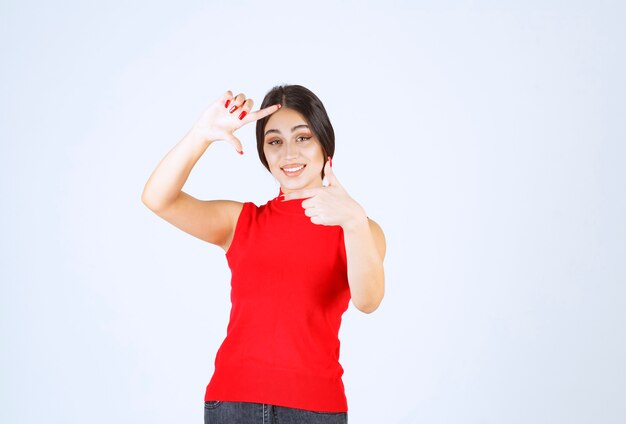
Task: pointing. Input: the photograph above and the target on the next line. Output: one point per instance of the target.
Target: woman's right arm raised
(213, 221)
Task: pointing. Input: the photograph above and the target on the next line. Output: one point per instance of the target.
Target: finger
(317, 220)
(227, 98)
(330, 174)
(303, 194)
(262, 113)
(236, 143)
(309, 203)
(237, 102)
(245, 108)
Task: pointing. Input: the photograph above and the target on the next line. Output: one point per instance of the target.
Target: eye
(273, 142)
(304, 138)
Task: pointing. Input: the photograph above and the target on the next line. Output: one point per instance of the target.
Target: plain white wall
(486, 137)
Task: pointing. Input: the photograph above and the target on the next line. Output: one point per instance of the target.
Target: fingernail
(227, 103)
(234, 108)
(242, 114)
(240, 152)
(330, 159)
(279, 106)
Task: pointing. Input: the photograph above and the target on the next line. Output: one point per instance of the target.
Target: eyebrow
(292, 130)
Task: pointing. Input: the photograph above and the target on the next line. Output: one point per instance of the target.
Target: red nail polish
(240, 152)
(242, 114)
(330, 159)
(227, 103)
(279, 106)
(234, 108)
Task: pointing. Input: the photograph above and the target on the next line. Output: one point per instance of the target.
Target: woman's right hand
(226, 115)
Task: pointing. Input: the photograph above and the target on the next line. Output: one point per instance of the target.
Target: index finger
(261, 113)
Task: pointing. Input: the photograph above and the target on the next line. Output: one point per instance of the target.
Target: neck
(284, 190)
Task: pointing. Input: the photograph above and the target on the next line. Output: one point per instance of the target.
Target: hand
(226, 115)
(331, 204)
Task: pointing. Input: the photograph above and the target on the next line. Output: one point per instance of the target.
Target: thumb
(330, 175)
(236, 143)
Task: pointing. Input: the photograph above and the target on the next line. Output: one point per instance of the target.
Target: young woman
(296, 261)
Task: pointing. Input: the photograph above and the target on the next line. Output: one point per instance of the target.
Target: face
(294, 155)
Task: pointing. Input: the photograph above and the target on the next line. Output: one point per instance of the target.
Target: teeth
(294, 169)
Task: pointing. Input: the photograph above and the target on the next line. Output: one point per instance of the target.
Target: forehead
(284, 119)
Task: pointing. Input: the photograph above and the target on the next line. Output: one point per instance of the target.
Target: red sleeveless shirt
(289, 290)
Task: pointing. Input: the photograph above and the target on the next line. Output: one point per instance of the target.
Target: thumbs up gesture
(330, 204)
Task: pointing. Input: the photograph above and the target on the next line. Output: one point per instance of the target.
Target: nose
(291, 150)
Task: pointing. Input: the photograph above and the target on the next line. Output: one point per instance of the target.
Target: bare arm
(365, 252)
(211, 220)
(165, 184)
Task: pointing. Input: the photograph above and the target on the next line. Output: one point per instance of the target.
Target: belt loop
(266, 414)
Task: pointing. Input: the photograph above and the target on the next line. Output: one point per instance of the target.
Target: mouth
(293, 170)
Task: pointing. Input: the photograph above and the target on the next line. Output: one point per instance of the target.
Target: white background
(485, 137)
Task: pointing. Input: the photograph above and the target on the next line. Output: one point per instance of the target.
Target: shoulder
(242, 208)
(230, 207)
(239, 215)
(375, 228)
(379, 236)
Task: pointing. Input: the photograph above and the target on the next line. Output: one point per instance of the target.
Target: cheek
(316, 153)
(269, 157)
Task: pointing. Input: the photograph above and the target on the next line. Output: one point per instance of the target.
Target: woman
(295, 261)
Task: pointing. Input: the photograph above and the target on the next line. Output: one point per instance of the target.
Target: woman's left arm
(365, 251)
(363, 238)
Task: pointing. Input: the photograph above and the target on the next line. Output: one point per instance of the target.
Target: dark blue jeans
(223, 412)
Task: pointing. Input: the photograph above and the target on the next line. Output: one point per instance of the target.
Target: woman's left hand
(331, 204)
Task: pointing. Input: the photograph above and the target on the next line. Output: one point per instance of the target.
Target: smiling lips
(293, 169)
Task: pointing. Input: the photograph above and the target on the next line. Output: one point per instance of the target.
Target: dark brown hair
(307, 104)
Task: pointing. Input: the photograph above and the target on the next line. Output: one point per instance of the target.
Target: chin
(292, 185)
(297, 183)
